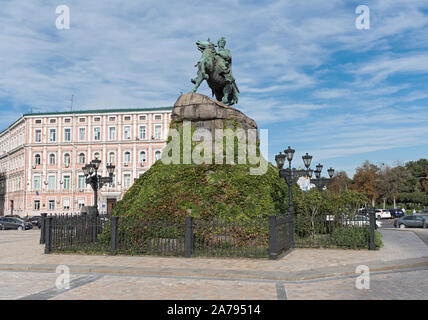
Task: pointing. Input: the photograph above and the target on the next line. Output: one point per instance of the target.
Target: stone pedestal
(208, 113)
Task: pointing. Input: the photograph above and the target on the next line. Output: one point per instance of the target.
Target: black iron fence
(269, 237)
(334, 231)
(188, 237)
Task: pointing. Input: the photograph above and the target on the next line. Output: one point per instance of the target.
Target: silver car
(413, 221)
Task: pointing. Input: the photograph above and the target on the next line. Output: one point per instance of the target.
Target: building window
(37, 205)
(38, 121)
(67, 159)
(158, 117)
(127, 118)
(112, 157)
(97, 133)
(81, 182)
(52, 120)
(97, 119)
(36, 183)
(112, 133)
(67, 120)
(37, 159)
(142, 118)
(82, 158)
(158, 132)
(52, 135)
(82, 120)
(143, 132)
(52, 159)
(67, 134)
(82, 134)
(51, 204)
(51, 183)
(126, 180)
(143, 156)
(66, 203)
(38, 135)
(127, 157)
(127, 132)
(157, 155)
(112, 119)
(96, 155)
(66, 183)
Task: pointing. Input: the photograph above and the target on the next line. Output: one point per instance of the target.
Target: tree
(418, 172)
(395, 180)
(425, 181)
(340, 182)
(367, 180)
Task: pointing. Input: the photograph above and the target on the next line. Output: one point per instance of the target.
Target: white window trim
(79, 134)
(93, 131)
(115, 133)
(71, 132)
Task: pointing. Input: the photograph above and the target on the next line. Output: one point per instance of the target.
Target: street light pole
(95, 180)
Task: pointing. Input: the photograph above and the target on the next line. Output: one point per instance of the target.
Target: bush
(354, 237)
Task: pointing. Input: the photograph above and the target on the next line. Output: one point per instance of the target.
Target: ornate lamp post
(95, 180)
(292, 175)
(319, 181)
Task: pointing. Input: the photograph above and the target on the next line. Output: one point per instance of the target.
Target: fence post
(94, 228)
(188, 238)
(372, 215)
(114, 228)
(273, 244)
(292, 219)
(48, 235)
(42, 228)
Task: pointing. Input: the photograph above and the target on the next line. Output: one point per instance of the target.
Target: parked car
(361, 220)
(383, 214)
(413, 221)
(35, 221)
(14, 224)
(380, 213)
(397, 213)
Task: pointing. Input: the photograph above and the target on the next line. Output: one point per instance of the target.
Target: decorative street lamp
(319, 181)
(292, 175)
(95, 180)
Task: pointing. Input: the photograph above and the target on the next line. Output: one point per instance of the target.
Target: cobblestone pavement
(131, 277)
(395, 285)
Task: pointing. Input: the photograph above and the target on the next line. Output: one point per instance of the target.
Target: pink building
(42, 155)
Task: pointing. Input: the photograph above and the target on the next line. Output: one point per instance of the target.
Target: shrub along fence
(269, 237)
(187, 237)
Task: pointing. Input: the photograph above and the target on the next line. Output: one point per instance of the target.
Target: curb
(304, 275)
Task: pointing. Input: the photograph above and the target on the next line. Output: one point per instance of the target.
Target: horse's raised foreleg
(197, 81)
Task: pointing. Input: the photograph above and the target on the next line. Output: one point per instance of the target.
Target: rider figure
(225, 65)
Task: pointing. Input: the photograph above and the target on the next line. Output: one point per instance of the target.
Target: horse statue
(216, 68)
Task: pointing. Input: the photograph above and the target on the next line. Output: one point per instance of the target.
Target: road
(420, 232)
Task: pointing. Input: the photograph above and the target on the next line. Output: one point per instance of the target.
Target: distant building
(42, 155)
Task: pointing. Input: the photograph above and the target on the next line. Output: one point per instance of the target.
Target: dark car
(35, 221)
(396, 213)
(413, 221)
(14, 224)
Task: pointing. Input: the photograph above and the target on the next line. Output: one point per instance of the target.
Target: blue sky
(304, 70)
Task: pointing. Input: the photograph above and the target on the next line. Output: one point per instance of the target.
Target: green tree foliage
(418, 171)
